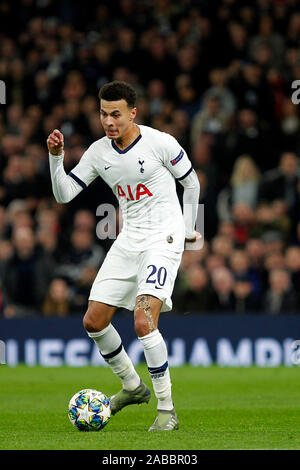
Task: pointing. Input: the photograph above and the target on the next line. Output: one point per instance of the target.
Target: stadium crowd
(216, 75)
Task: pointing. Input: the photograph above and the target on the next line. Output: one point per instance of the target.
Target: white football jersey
(142, 178)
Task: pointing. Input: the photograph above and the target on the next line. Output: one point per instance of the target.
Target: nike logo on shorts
(107, 167)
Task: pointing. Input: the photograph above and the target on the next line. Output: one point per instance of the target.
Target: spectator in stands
(14, 119)
(181, 122)
(47, 218)
(57, 300)
(243, 187)
(281, 182)
(82, 252)
(280, 298)
(245, 301)
(42, 91)
(187, 100)
(292, 264)
(12, 180)
(211, 119)
(267, 224)
(244, 181)
(246, 138)
(156, 94)
(222, 246)
(244, 221)
(252, 91)
(255, 251)
(226, 228)
(26, 276)
(198, 294)
(6, 252)
(267, 36)
(84, 220)
(17, 216)
(214, 261)
(290, 125)
(223, 284)
(272, 260)
(218, 88)
(80, 290)
(48, 241)
(238, 263)
(3, 221)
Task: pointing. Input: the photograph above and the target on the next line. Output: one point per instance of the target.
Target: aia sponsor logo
(131, 194)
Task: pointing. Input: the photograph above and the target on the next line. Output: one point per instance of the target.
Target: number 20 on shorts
(157, 275)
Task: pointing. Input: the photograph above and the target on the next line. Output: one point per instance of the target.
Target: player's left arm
(191, 195)
(178, 163)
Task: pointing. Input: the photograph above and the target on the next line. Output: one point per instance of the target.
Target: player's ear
(132, 114)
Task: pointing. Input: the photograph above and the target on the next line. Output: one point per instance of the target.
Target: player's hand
(196, 237)
(195, 243)
(55, 142)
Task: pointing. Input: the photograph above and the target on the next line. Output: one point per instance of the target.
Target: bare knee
(142, 325)
(146, 314)
(89, 322)
(97, 317)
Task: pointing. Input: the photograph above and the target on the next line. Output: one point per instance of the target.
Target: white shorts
(125, 274)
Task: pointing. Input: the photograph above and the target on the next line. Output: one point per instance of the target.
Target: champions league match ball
(89, 410)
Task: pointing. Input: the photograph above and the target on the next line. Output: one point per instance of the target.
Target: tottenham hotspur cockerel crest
(141, 163)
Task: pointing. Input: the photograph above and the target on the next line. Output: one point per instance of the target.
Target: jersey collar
(129, 146)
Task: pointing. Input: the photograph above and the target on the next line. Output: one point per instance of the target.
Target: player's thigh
(156, 276)
(98, 316)
(115, 283)
(118, 264)
(157, 273)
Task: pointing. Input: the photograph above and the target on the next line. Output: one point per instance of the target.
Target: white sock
(111, 349)
(156, 355)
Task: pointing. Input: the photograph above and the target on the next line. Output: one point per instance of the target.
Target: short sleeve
(85, 172)
(175, 157)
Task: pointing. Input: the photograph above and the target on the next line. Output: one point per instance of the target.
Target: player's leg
(115, 284)
(157, 273)
(97, 323)
(146, 315)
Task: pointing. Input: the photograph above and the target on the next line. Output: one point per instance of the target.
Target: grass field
(218, 408)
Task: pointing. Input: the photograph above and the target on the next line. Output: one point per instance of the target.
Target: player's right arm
(66, 187)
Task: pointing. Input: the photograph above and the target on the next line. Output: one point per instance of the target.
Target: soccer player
(140, 164)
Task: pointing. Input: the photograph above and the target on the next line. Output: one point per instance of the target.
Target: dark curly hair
(117, 90)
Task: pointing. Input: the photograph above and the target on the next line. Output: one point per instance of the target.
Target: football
(89, 410)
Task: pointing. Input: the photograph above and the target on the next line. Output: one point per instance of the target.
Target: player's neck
(128, 138)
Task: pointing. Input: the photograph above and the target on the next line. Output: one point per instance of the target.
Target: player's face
(116, 118)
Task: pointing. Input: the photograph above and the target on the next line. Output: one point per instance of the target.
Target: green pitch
(218, 408)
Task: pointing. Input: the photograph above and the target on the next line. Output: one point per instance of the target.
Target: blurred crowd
(218, 76)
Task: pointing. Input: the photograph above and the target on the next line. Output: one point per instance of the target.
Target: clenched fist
(195, 243)
(55, 142)
(197, 237)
